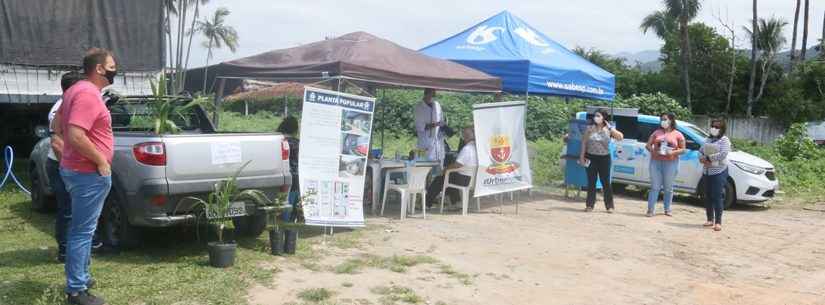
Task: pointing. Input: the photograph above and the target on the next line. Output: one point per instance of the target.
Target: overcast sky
(609, 25)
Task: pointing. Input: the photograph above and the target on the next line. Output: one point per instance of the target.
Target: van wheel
(250, 226)
(117, 232)
(39, 199)
(730, 194)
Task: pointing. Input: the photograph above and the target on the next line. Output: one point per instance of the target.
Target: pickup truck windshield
(138, 116)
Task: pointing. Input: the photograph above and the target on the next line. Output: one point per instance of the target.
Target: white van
(751, 180)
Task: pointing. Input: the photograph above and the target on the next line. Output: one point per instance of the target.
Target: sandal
(717, 227)
(708, 224)
(588, 209)
(610, 211)
(649, 214)
(668, 214)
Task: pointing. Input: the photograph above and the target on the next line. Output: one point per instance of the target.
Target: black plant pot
(276, 242)
(290, 241)
(222, 255)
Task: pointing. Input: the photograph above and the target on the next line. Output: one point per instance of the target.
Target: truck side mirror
(41, 131)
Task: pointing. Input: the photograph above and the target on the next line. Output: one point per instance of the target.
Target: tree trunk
(805, 32)
(189, 47)
(793, 39)
(732, 71)
(753, 60)
(180, 40)
(169, 46)
(685, 52)
(206, 67)
(765, 64)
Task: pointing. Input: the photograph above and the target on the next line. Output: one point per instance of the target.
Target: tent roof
(365, 58)
(525, 59)
(258, 91)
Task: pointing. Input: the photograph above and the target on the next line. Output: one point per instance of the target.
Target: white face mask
(598, 120)
(714, 132)
(665, 124)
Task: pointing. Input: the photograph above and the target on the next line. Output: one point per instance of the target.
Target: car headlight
(756, 170)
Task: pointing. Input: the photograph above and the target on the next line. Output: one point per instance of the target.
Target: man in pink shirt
(85, 124)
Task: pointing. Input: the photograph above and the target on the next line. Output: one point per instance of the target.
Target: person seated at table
(466, 161)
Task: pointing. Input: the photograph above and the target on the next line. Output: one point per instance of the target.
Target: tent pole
(383, 122)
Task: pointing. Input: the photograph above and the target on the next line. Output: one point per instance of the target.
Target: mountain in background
(648, 60)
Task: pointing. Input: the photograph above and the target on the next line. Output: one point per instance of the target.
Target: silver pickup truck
(152, 174)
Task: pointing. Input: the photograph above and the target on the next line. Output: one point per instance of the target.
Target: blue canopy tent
(526, 60)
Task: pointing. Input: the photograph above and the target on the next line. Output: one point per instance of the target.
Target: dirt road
(554, 253)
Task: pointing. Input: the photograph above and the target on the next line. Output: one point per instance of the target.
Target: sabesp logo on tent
(483, 35)
(531, 37)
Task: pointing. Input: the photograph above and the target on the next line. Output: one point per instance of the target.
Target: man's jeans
(64, 208)
(88, 192)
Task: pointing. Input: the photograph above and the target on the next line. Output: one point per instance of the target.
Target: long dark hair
(604, 114)
(671, 117)
(289, 126)
(723, 127)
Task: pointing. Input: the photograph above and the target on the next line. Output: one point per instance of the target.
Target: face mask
(598, 120)
(714, 132)
(665, 124)
(110, 76)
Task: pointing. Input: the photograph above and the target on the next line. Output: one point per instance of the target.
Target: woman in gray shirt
(595, 157)
(714, 158)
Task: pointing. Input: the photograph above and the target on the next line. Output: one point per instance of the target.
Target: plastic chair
(416, 184)
(464, 190)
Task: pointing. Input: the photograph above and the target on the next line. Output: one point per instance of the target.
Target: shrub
(795, 144)
(655, 104)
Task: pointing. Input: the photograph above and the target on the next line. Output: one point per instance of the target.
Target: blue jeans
(662, 174)
(64, 207)
(292, 199)
(88, 192)
(715, 196)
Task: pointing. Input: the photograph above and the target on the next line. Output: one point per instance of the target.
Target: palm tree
(805, 31)
(795, 24)
(217, 34)
(769, 41)
(660, 23)
(754, 40)
(678, 13)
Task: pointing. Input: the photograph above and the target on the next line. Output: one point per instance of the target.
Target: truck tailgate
(211, 157)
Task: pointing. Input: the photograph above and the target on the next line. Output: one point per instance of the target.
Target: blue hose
(8, 160)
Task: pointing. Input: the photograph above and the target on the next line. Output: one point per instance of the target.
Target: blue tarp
(525, 59)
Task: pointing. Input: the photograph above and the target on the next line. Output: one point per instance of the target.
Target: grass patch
(259, 122)
(315, 295)
(172, 267)
(393, 263)
(463, 278)
(393, 294)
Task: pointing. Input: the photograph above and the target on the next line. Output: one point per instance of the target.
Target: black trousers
(715, 196)
(599, 167)
(438, 182)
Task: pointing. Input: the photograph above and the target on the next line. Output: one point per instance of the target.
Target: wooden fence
(761, 130)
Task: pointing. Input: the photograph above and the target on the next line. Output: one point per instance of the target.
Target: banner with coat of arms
(503, 161)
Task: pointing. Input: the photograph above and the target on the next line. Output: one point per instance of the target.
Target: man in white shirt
(429, 121)
(466, 162)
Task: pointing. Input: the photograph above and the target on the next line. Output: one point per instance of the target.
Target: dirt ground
(554, 253)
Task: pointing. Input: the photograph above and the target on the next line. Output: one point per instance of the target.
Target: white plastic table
(383, 168)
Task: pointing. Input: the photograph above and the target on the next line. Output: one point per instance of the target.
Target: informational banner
(503, 161)
(332, 160)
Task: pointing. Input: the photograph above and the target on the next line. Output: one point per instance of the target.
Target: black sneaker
(84, 298)
(61, 257)
(91, 283)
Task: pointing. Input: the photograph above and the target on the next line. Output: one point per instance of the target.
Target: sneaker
(91, 283)
(97, 247)
(669, 214)
(649, 214)
(84, 298)
(588, 209)
(610, 211)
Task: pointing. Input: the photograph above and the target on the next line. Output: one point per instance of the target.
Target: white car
(751, 180)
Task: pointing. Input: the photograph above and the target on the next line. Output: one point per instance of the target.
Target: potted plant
(283, 234)
(162, 108)
(218, 210)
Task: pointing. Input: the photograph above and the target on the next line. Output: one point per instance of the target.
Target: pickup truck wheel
(250, 226)
(116, 228)
(39, 198)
